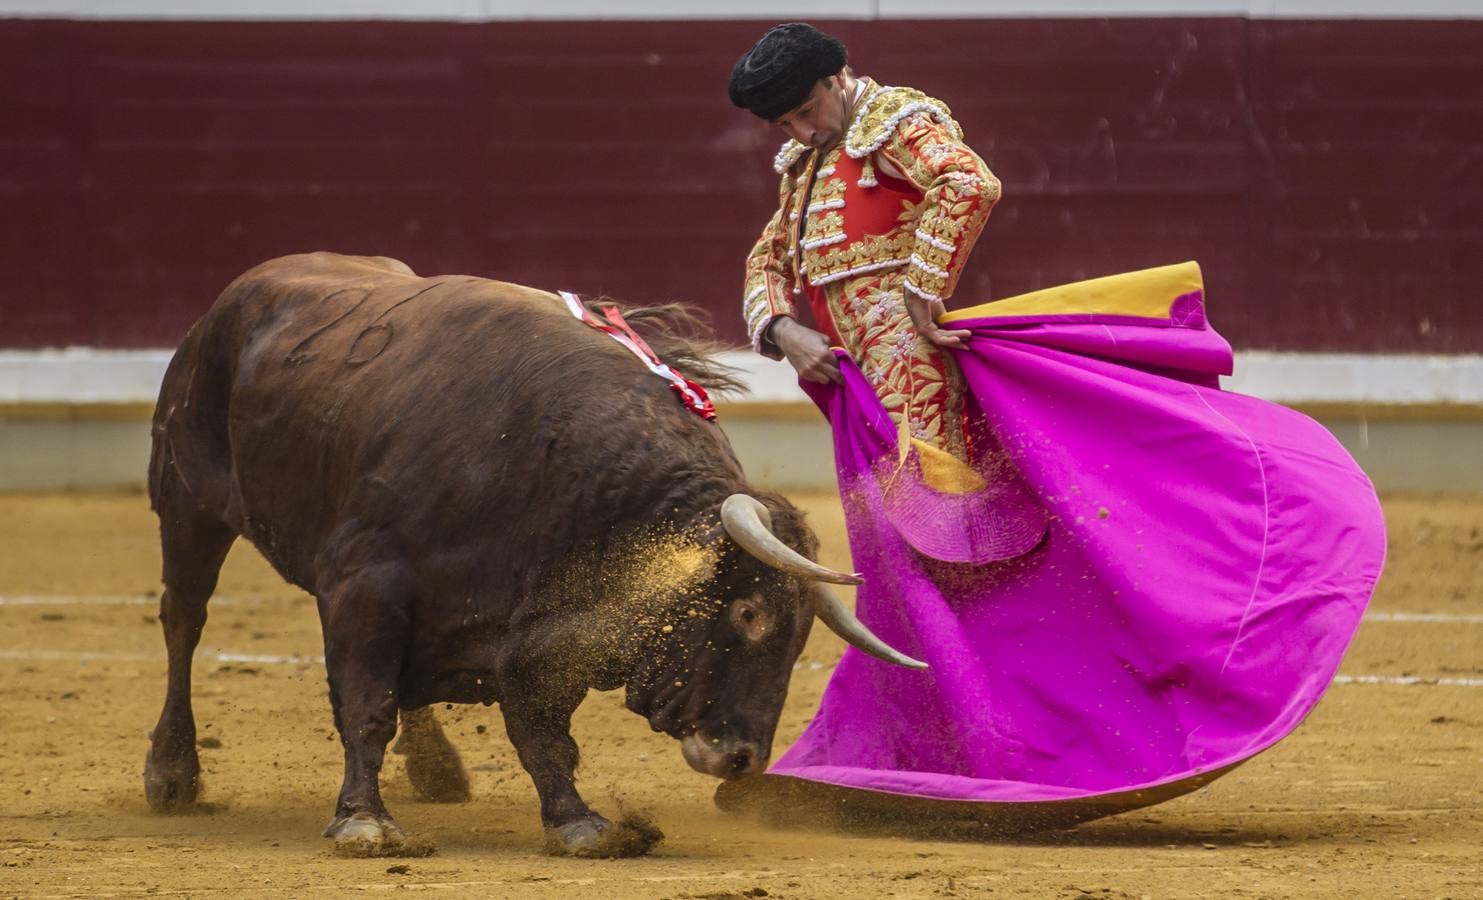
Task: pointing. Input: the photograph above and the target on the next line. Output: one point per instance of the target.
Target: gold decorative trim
(884, 110)
(788, 156)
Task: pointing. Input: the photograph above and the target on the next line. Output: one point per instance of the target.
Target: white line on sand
(91, 600)
(74, 600)
(1421, 617)
(221, 656)
(1407, 679)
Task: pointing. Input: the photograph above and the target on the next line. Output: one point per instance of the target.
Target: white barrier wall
(79, 418)
(81, 375)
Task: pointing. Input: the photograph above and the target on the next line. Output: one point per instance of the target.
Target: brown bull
(491, 502)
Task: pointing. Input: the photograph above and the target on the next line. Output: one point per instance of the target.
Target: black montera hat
(780, 71)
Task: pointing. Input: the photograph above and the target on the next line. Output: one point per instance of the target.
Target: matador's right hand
(924, 314)
(807, 350)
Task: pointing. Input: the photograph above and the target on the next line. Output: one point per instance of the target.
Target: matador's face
(819, 121)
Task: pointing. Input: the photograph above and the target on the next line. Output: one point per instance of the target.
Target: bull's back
(331, 346)
(332, 398)
(364, 397)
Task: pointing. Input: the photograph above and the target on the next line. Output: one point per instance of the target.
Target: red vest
(867, 211)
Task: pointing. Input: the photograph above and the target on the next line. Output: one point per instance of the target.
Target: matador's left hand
(924, 315)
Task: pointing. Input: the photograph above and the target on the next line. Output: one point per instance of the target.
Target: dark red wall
(1329, 175)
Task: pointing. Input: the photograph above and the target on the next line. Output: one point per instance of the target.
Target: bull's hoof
(579, 838)
(596, 837)
(365, 834)
(172, 786)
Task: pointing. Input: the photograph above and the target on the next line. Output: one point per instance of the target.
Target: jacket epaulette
(788, 156)
(883, 111)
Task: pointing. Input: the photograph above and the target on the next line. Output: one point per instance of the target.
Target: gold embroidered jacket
(815, 240)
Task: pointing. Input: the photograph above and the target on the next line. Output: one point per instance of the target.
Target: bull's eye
(750, 618)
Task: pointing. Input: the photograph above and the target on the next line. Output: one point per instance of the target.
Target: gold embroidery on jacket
(882, 113)
(913, 379)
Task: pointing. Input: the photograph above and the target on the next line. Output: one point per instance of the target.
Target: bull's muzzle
(726, 758)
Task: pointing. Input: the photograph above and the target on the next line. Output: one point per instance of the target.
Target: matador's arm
(958, 192)
(768, 290)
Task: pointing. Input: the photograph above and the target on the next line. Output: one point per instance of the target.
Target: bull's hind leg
(193, 546)
(433, 765)
(365, 623)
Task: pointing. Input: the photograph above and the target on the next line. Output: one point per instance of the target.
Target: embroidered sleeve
(767, 292)
(959, 190)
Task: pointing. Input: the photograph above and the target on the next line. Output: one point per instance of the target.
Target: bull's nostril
(741, 761)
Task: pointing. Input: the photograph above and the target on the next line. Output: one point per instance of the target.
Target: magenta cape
(1205, 560)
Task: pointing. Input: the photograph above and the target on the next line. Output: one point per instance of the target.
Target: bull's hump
(385, 275)
(323, 264)
(504, 290)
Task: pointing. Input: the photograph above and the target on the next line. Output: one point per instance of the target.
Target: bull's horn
(843, 623)
(749, 523)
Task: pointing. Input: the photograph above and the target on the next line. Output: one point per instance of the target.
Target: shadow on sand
(782, 802)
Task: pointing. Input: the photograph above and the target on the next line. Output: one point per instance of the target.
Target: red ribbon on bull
(691, 394)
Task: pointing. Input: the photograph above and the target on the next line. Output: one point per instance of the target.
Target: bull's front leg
(539, 725)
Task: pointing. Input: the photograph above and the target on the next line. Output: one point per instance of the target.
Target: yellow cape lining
(1149, 293)
(941, 470)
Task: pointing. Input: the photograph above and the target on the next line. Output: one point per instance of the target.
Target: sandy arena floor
(1378, 794)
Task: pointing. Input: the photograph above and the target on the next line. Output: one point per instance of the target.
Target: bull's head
(721, 685)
